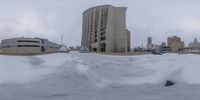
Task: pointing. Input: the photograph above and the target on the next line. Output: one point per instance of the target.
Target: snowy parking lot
(76, 76)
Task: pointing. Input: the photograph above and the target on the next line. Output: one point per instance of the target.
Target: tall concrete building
(104, 29)
(175, 43)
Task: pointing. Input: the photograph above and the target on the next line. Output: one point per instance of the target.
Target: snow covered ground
(76, 76)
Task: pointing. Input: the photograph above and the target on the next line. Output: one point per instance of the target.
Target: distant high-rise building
(150, 46)
(104, 29)
(149, 40)
(163, 44)
(194, 44)
(175, 43)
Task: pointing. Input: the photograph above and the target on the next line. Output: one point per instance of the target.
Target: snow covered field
(76, 76)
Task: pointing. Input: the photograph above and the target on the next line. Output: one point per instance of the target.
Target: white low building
(25, 46)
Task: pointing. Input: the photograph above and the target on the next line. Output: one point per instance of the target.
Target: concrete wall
(21, 50)
(110, 31)
(120, 29)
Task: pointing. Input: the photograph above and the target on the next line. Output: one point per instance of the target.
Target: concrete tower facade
(175, 43)
(104, 29)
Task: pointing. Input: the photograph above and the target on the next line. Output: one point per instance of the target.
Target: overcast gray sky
(53, 18)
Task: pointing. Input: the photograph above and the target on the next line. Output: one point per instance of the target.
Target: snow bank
(25, 69)
(145, 69)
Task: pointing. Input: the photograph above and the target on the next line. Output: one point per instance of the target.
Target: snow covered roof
(84, 49)
(63, 48)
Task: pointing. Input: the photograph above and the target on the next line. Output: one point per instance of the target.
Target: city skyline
(52, 19)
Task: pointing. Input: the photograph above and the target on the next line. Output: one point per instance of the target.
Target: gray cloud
(53, 18)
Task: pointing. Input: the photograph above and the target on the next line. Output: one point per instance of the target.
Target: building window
(102, 33)
(43, 41)
(28, 41)
(103, 29)
(103, 47)
(42, 49)
(103, 38)
(6, 46)
(94, 49)
(28, 46)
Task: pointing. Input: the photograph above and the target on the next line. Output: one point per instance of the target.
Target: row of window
(21, 46)
(101, 39)
(28, 41)
(26, 46)
(102, 24)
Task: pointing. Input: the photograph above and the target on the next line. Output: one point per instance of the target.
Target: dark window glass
(28, 41)
(103, 38)
(28, 46)
(43, 41)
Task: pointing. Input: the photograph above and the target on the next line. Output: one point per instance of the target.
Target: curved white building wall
(28, 46)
